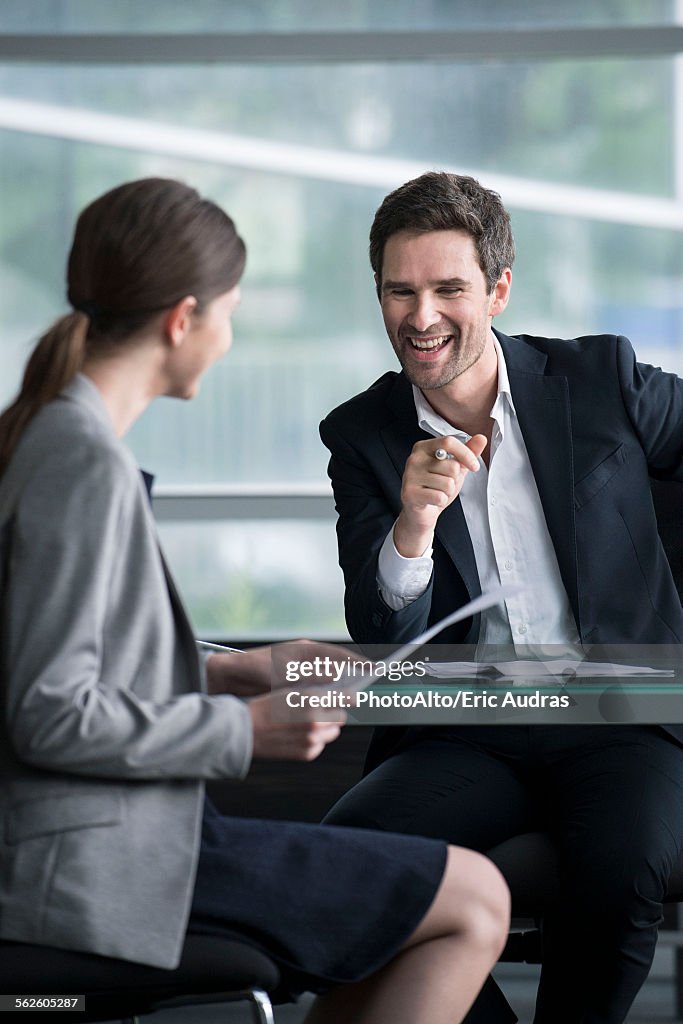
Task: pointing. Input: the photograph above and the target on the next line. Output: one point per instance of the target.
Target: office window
(271, 579)
(177, 16)
(585, 152)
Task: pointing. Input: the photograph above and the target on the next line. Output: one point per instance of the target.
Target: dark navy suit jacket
(596, 424)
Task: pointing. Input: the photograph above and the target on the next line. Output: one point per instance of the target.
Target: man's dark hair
(438, 201)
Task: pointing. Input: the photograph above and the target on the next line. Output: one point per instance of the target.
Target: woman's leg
(437, 974)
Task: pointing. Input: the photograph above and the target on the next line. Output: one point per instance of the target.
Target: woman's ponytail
(55, 360)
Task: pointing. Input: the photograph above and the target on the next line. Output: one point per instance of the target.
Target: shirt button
(508, 564)
(522, 630)
(493, 501)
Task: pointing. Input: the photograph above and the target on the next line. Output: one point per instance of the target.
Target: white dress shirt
(509, 535)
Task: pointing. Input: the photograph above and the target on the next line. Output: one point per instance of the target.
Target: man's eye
(450, 291)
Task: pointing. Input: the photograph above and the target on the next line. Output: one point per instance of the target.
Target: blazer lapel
(542, 406)
(399, 436)
(401, 431)
(185, 632)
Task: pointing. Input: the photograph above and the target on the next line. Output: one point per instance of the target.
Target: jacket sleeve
(67, 543)
(654, 402)
(367, 512)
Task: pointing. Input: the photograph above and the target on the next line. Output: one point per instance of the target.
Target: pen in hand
(219, 648)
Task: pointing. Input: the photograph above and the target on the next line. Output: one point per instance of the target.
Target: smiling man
(543, 479)
(439, 327)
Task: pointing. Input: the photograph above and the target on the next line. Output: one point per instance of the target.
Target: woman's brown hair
(137, 250)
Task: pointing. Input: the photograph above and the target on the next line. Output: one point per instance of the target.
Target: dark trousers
(612, 799)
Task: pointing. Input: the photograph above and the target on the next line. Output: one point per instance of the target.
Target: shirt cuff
(402, 580)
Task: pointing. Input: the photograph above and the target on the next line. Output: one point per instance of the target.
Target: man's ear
(501, 293)
(178, 320)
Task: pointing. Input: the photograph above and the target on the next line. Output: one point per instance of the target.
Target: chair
(529, 861)
(211, 970)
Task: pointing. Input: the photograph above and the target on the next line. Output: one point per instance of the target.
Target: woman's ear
(178, 320)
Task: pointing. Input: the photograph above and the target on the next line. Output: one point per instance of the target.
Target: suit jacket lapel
(401, 431)
(185, 632)
(399, 436)
(542, 406)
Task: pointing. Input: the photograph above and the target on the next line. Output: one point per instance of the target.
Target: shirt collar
(430, 421)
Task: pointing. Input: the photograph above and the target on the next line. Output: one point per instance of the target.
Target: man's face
(435, 306)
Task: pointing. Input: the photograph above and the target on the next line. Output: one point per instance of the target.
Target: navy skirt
(327, 904)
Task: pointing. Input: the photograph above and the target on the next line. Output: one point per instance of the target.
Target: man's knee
(383, 801)
(353, 811)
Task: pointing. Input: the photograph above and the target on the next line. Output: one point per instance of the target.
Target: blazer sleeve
(654, 402)
(68, 539)
(367, 511)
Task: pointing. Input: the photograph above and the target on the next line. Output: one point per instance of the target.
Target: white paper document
(479, 604)
(564, 670)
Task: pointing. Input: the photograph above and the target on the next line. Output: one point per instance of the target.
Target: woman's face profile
(208, 339)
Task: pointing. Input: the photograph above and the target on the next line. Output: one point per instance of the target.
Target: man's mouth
(430, 346)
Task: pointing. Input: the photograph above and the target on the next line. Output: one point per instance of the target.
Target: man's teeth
(428, 343)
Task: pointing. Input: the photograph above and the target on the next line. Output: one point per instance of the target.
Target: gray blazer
(107, 731)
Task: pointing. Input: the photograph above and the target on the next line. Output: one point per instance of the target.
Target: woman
(111, 722)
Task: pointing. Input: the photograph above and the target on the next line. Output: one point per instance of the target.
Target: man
(551, 446)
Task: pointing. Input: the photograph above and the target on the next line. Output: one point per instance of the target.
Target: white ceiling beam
(339, 166)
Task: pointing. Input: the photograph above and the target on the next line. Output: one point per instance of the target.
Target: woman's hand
(267, 675)
(262, 669)
(290, 740)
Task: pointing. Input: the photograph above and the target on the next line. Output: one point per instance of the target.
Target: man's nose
(424, 313)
